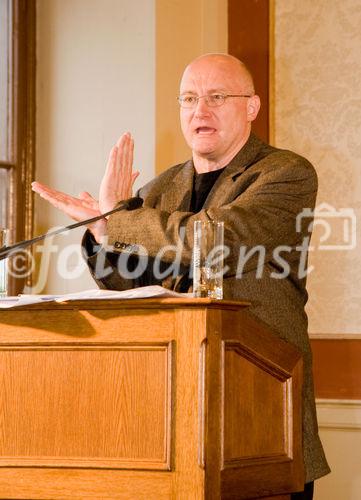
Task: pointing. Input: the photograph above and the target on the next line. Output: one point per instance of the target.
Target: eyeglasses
(213, 100)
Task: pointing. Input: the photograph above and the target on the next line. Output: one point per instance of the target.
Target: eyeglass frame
(207, 96)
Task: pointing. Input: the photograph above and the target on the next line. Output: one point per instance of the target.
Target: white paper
(95, 294)
(24, 300)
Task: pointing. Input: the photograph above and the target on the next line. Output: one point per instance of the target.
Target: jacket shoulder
(156, 186)
(290, 164)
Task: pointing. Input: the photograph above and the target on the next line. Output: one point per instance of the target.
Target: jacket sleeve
(262, 213)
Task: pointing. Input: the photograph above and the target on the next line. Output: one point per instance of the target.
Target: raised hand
(119, 177)
(81, 208)
(116, 186)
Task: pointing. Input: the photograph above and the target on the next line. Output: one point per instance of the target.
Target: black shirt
(202, 186)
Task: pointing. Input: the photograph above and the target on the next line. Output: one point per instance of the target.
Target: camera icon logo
(337, 226)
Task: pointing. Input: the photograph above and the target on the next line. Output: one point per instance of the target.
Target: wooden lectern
(147, 399)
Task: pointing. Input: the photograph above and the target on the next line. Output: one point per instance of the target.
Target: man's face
(216, 133)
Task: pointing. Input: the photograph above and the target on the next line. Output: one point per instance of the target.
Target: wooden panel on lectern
(136, 399)
(88, 406)
(261, 422)
(251, 391)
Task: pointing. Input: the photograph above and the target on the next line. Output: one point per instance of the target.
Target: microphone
(130, 204)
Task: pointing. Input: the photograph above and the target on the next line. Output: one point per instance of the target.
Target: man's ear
(253, 105)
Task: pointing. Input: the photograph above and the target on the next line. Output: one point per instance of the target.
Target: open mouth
(205, 130)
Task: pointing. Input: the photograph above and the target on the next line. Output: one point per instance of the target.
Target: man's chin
(210, 156)
(204, 150)
(205, 153)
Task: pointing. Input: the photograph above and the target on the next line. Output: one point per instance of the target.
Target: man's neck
(203, 164)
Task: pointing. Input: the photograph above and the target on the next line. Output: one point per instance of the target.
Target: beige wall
(340, 432)
(105, 67)
(95, 80)
(184, 30)
(318, 114)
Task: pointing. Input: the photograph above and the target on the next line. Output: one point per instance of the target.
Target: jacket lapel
(178, 194)
(221, 192)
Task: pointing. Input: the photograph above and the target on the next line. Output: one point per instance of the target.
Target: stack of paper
(135, 293)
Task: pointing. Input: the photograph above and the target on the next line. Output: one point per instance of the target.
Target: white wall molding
(335, 336)
(341, 414)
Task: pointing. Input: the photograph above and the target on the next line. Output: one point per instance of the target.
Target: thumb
(135, 175)
(84, 195)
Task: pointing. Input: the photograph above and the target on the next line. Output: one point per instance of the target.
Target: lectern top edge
(151, 303)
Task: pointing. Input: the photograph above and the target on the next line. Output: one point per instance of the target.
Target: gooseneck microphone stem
(131, 204)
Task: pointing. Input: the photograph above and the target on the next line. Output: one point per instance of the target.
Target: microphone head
(133, 203)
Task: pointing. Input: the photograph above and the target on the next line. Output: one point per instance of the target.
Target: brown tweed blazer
(258, 196)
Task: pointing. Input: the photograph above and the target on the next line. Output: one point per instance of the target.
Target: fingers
(82, 208)
(120, 161)
(46, 192)
(57, 198)
(124, 166)
(38, 187)
(110, 170)
(119, 177)
(124, 160)
(128, 156)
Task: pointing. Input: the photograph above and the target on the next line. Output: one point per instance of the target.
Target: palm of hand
(119, 178)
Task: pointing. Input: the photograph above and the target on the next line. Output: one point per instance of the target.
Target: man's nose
(202, 107)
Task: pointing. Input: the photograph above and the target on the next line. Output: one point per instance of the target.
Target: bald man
(256, 189)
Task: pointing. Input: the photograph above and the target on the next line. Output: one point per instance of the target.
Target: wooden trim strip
(337, 368)
(23, 82)
(248, 39)
(201, 403)
(335, 336)
(272, 75)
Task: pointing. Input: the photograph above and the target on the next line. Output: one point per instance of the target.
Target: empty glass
(3, 264)
(208, 259)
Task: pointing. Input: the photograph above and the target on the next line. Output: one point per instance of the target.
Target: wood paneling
(189, 476)
(91, 384)
(248, 39)
(80, 418)
(70, 484)
(282, 362)
(93, 390)
(264, 393)
(337, 368)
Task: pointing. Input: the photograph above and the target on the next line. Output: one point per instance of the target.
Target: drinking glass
(208, 259)
(3, 264)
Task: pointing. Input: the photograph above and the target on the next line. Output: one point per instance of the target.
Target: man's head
(217, 133)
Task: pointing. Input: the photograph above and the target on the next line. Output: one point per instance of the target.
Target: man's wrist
(98, 229)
